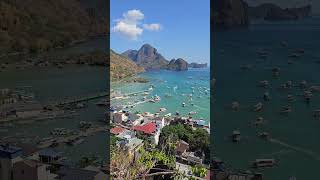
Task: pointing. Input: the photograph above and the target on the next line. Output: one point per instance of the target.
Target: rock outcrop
(147, 57)
(177, 65)
(230, 14)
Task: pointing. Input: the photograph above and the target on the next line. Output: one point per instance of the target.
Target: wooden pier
(79, 99)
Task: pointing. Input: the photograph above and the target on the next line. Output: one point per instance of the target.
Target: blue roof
(7, 151)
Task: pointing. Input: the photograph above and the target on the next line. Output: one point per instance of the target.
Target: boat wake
(296, 148)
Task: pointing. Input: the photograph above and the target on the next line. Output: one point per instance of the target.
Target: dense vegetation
(198, 139)
(33, 26)
(122, 67)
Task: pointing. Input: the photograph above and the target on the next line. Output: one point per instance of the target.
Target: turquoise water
(299, 129)
(174, 88)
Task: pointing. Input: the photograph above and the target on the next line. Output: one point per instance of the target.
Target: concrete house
(33, 170)
(8, 156)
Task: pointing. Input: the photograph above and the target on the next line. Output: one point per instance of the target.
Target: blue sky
(177, 28)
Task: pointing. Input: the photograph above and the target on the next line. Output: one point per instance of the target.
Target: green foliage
(198, 139)
(199, 171)
(113, 140)
(149, 159)
(38, 26)
(86, 161)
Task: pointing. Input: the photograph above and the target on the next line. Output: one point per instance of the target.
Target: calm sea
(298, 152)
(50, 84)
(174, 88)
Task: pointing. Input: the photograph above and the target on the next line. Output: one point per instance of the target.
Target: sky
(176, 28)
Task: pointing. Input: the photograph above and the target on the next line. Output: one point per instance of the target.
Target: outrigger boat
(162, 110)
(192, 112)
(236, 136)
(285, 110)
(266, 96)
(259, 121)
(290, 98)
(263, 163)
(258, 107)
(303, 84)
(264, 83)
(264, 135)
(235, 106)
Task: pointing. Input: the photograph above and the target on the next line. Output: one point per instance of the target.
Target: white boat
(167, 115)
(157, 98)
(162, 110)
(192, 112)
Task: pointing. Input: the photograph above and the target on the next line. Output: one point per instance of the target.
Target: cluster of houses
(131, 126)
(132, 129)
(15, 104)
(26, 162)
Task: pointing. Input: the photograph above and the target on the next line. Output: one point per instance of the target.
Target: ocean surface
(174, 88)
(296, 144)
(50, 84)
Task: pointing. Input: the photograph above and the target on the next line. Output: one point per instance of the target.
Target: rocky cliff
(177, 65)
(147, 57)
(230, 14)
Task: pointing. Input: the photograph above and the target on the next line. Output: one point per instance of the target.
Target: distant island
(177, 65)
(272, 12)
(229, 14)
(132, 62)
(197, 65)
(150, 59)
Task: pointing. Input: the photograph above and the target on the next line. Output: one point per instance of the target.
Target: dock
(131, 94)
(61, 140)
(78, 99)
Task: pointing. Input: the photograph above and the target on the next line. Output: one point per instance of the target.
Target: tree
(198, 139)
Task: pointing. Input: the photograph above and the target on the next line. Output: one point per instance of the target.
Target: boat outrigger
(258, 107)
(264, 163)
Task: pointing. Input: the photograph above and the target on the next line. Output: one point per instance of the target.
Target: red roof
(117, 130)
(148, 128)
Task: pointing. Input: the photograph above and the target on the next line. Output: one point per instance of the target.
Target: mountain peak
(147, 57)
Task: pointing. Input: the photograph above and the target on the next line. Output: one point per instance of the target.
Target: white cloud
(129, 25)
(131, 31)
(152, 27)
(133, 16)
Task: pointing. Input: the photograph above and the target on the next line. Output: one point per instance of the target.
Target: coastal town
(139, 133)
(28, 153)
